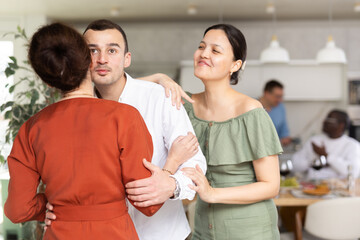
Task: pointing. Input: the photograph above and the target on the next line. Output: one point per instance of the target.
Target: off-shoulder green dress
(229, 148)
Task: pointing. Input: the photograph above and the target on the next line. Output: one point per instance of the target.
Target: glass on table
(318, 164)
(285, 168)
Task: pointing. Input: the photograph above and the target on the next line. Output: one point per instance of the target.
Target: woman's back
(85, 150)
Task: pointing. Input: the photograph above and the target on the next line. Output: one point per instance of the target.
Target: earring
(231, 73)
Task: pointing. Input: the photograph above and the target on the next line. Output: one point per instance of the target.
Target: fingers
(195, 188)
(173, 96)
(141, 198)
(198, 168)
(47, 223)
(178, 97)
(49, 206)
(139, 183)
(185, 96)
(139, 191)
(167, 92)
(147, 203)
(150, 166)
(49, 217)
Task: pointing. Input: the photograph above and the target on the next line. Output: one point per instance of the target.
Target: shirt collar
(128, 83)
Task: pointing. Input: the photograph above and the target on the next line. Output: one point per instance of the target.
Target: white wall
(166, 44)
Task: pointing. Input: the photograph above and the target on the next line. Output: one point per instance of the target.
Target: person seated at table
(272, 100)
(340, 150)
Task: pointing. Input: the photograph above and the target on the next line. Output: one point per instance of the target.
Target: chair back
(334, 219)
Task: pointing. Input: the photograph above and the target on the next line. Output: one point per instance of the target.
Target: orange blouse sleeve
(23, 202)
(136, 146)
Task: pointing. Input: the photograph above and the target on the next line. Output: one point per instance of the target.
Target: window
(6, 50)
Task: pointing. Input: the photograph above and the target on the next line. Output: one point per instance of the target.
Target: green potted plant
(35, 94)
(31, 96)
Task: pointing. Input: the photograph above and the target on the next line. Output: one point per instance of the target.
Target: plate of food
(319, 190)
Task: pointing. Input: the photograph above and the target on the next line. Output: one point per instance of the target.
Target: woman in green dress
(239, 142)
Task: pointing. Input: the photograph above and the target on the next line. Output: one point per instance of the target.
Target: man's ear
(127, 59)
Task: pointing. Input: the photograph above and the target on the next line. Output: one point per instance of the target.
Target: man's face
(275, 96)
(331, 125)
(107, 49)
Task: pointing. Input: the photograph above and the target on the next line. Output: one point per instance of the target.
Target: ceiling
(158, 10)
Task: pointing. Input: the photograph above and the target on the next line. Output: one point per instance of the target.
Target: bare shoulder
(247, 103)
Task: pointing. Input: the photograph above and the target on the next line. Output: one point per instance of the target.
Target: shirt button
(206, 143)
(209, 205)
(210, 226)
(210, 124)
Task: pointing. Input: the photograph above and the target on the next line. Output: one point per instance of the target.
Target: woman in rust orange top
(84, 149)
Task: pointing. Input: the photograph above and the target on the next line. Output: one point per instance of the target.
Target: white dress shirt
(342, 152)
(165, 123)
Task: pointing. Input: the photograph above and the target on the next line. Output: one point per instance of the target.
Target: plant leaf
(6, 105)
(34, 97)
(2, 159)
(11, 89)
(9, 72)
(13, 59)
(8, 115)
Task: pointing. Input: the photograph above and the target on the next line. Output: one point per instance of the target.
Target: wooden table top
(286, 199)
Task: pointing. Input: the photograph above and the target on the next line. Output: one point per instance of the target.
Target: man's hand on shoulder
(153, 190)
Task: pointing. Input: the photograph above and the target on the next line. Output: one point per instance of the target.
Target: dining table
(287, 198)
(292, 202)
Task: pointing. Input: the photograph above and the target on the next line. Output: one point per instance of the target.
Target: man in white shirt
(109, 50)
(339, 150)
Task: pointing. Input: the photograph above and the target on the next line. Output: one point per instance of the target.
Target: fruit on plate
(289, 182)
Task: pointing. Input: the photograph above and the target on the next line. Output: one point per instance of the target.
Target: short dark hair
(60, 56)
(271, 84)
(104, 24)
(238, 43)
(342, 117)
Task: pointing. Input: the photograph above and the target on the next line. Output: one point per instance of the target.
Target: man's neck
(112, 91)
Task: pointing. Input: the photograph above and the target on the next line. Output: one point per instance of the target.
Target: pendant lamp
(330, 53)
(274, 53)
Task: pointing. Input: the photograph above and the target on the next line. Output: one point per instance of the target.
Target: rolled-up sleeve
(177, 123)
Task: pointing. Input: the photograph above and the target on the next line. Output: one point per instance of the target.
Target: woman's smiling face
(214, 58)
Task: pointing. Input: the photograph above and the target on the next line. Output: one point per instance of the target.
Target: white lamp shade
(330, 53)
(274, 53)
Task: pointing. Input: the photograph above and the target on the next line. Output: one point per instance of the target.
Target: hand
(50, 216)
(176, 91)
(153, 190)
(319, 150)
(182, 149)
(285, 141)
(202, 186)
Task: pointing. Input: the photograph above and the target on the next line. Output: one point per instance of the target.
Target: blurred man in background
(272, 101)
(340, 151)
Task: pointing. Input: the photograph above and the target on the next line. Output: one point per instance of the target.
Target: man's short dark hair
(270, 85)
(104, 24)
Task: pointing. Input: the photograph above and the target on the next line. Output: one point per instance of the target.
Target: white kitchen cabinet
(304, 80)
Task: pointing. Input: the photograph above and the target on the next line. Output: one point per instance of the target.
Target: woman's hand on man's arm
(170, 86)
